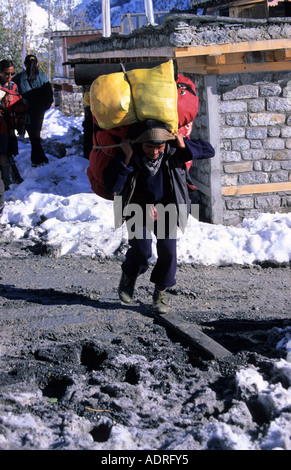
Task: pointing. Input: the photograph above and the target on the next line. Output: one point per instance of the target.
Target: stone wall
(72, 103)
(255, 128)
(200, 170)
(245, 115)
(184, 30)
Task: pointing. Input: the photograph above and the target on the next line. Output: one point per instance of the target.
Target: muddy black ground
(80, 370)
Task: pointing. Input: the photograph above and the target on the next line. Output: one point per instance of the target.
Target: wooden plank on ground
(193, 335)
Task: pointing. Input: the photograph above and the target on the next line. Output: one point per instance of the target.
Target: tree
(64, 10)
(17, 37)
(4, 38)
(13, 31)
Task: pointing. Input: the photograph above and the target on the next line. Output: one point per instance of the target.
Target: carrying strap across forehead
(154, 135)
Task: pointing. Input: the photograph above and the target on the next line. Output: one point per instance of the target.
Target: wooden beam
(128, 16)
(193, 335)
(240, 2)
(241, 68)
(216, 59)
(245, 46)
(191, 65)
(256, 188)
(280, 54)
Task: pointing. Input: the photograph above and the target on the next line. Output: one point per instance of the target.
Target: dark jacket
(38, 94)
(168, 186)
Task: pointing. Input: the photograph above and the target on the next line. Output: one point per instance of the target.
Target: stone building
(241, 69)
(67, 94)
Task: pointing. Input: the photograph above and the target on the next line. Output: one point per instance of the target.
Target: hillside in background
(119, 7)
(93, 8)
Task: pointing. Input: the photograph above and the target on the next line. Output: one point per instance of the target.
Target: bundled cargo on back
(120, 99)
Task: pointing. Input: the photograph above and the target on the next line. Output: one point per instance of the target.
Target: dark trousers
(2, 192)
(34, 129)
(8, 149)
(138, 257)
(6, 172)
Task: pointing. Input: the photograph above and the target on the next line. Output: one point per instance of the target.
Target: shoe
(126, 288)
(160, 304)
(19, 181)
(36, 165)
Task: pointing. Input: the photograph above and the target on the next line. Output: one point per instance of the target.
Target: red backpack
(187, 106)
(14, 109)
(100, 157)
(188, 102)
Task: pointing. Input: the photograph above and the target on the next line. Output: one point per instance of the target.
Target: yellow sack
(86, 99)
(154, 93)
(110, 101)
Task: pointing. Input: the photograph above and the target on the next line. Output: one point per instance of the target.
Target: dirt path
(69, 348)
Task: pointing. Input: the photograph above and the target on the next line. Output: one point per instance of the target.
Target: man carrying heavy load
(140, 157)
(149, 173)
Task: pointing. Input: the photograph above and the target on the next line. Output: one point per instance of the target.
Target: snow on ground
(55, 205)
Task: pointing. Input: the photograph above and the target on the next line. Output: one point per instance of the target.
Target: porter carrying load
(119, 99)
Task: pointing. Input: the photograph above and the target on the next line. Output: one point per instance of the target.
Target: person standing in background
(3, 151)
(37, 94)
(9, 143)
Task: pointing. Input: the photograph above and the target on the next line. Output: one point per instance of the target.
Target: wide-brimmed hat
(156, 136)
(150, 130)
